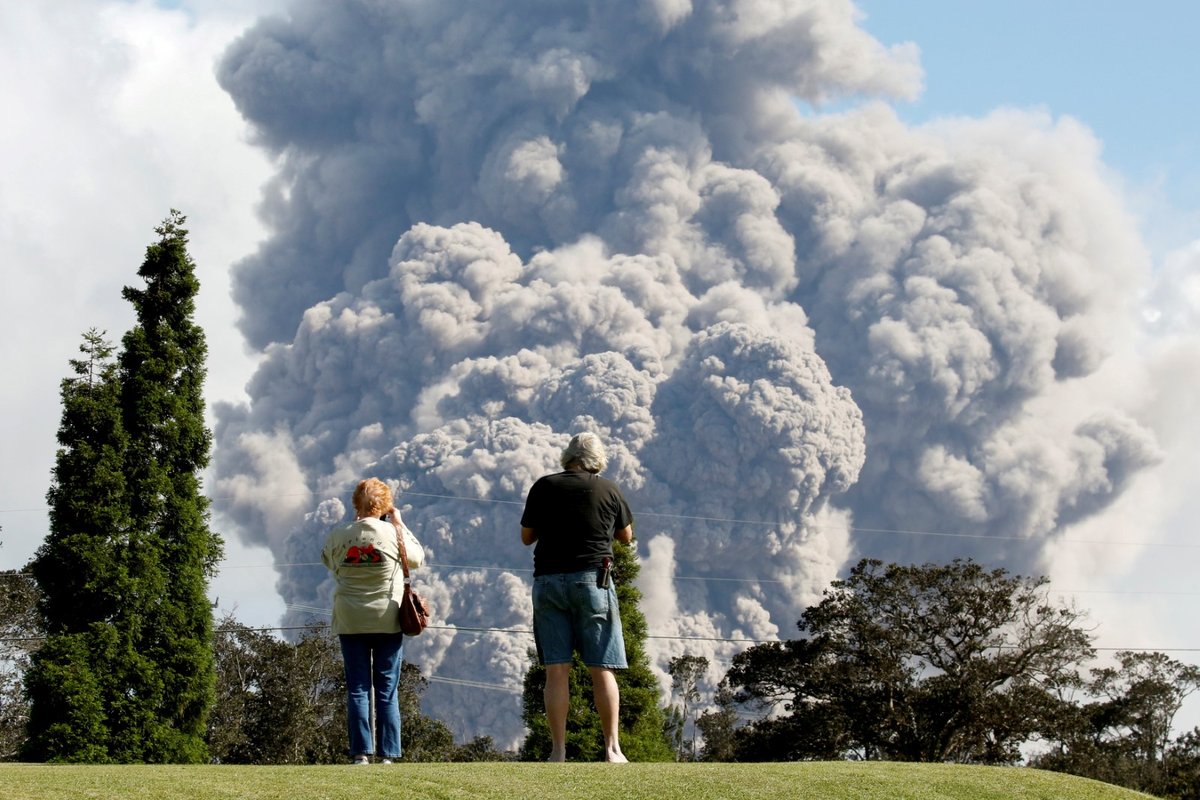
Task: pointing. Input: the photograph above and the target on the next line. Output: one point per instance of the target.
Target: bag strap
(399, 526)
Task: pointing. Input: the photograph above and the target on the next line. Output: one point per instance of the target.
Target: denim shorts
(571, 613)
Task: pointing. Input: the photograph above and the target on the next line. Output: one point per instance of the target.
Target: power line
(701, 578)
(474, 684)
(678, 638)
(730, 579)
(769, 523)
(527, 632)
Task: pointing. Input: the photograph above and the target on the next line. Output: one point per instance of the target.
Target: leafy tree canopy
(916, 663)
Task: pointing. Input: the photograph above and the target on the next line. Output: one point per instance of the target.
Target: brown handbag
(414, 611)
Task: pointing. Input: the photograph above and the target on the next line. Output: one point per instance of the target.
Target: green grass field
(828, 781)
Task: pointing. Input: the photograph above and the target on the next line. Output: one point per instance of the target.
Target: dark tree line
(284, 702)
(934, 663)
(1122, 733)
(276, 702)
(20, 636)
(955, 663)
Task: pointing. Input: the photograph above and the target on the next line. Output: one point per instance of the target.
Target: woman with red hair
(364, 557)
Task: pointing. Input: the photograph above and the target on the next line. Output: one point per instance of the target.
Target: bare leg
(558, 698)
(608, 704)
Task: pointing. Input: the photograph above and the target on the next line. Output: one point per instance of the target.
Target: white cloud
(112, 118)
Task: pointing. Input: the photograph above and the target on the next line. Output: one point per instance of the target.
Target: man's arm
(528, 536)
(625, 535)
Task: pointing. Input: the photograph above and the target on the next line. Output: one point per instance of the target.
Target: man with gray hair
(574, 516)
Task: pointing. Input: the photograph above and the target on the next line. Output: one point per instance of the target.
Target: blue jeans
(571, 613)
(373, 659)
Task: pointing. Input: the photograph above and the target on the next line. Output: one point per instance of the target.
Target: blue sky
(1128, 71)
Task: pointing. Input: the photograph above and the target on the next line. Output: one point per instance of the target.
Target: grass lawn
(828, 781)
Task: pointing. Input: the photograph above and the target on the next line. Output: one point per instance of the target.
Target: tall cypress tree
(79, 568)
(642, 723)
(171, 549)
(124, 570)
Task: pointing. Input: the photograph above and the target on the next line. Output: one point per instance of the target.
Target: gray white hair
(586, 450)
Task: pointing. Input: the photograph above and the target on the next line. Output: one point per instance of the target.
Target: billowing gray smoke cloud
(497, 224)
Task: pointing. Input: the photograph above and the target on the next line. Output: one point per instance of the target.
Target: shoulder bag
(414, 611)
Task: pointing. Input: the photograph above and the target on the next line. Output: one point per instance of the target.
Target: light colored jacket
(364, 559)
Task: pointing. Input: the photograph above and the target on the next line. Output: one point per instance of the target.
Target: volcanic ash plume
(499, 224)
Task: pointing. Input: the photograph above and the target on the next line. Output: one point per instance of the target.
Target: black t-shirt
(575, 515)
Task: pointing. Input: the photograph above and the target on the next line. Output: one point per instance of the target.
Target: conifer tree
(642, 723)
(124, 570)
(171, 549)
(79, 569)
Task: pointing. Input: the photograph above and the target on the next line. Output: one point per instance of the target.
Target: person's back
(363, 555)
(575, 514)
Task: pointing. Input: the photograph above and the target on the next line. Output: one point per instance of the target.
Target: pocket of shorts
(595, 598)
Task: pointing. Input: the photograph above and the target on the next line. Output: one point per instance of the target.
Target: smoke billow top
(496, 224)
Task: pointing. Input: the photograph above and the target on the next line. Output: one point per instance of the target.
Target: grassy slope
(828, 781)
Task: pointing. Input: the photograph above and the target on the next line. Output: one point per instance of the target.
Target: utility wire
(720, 520)
(769, 523)
(528, 632)
(522, 631)
(700, 578)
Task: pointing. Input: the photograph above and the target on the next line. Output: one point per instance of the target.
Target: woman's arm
(412, 548)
